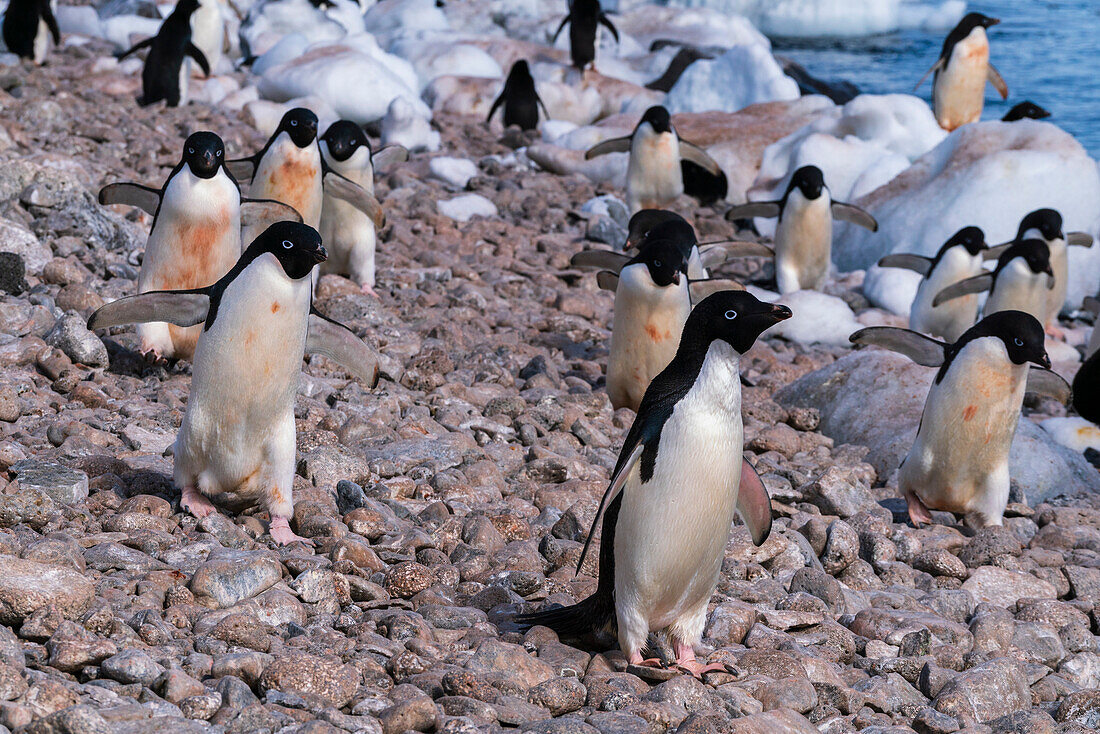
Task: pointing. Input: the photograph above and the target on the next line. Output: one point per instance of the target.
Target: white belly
(291, 175)
(1019, 289)
(951, 318)
(1056, 296)
(803, 243)
(348, 233)
(208, 34)
(958, 92)
(653, 175)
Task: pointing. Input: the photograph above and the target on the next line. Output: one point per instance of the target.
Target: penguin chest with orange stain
(293, 176)
(959, 90)
(207, 249)
(653, 173)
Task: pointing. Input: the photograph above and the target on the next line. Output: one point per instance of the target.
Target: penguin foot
(194, 502)
(636, 659)
(918, 512)
(367, 290)
(1056, 332)
(283, 535)
(697, 669)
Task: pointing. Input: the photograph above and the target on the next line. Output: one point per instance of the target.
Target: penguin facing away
(958, 259)
(959, 459)
(584, 19)
(348, 233)
(804, 235)
(164, 75)
(1086, 383)
(679, 480)
(28, 27)
(237, 438)
(1026, 110)
(1022, 281)
(196, 234)
(961, 71)
(654, 174)
(520, 99)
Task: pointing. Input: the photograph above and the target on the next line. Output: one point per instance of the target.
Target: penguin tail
(582, 619)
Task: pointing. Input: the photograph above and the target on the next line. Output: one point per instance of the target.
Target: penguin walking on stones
(349, 234)
(959, 460)
(164, 75)
(961, 71)
(959, 258)
(654, 175)
(584, 19)
(28, 27)
(196, 235)
(804, 235)
(1046, 225)
(237, 439)
(679, 480)
(1022, 281)
(520, 99)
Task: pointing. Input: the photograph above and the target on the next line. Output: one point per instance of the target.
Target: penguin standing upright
(804, 235)
(348, 233)
(164, 75)
(584, 19)
(28, 27)
(1022, 281)
(238, 434)
(520, 99)
(208, 31)
(1086, 383)
(958, 259)
(196, 233)
(961, 71)
(959, 460)
(654, 175)
(1046, 225)
(679, 480)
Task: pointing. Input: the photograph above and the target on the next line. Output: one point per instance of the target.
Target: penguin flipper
(609, 25)
(607, 281)
(855, 215)
(1049, 383)
(261, 213)
(921, 349)
(389, 155)
(1091, 305)
(997, 81)
(618, 480)
(182, 308)
(599, 260)
(700, 289)
(200, 58)
(753, 504)
(994, 251)
(908, 261)
(340, 344)
(976, 284)
(614, 145)
(145, 198)
(241, 169)
(51, 23)
(136, 47)
(698, 156)
(716, 253)
(496, 103)
(351, 192)
(1080, 239)
(934, 68)
(559, 30)
(751, 209)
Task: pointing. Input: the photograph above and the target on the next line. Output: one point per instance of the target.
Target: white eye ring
(219, 154)
(288, 244)
(191, 151)
(294, 123)
(656, 263)
(731, 314)
(1019, 342)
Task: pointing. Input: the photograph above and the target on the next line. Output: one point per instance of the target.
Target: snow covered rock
(1074, 433)
(268, 23)
(702, 27)
(742, 76)
(431, 59)
(454, 171)
(466, 207)
(404, 125)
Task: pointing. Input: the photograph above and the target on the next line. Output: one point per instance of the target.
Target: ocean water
(1045, 50)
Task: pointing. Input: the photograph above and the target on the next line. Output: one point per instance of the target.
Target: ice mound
(742, 76)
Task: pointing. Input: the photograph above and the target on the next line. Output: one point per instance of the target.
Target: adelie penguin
(196, 235)
(164, 75)
(654, 175)
(348, 233)
(520, 99)
(1022, 281)
(1086, 383)
(959, 460)
(289, 168)
(584, 19)
(28, 27)
(671, 501)
(960, 258)
(237, 439)
(961, 71)
(804, 235)
(208, 31)
(1025, 111)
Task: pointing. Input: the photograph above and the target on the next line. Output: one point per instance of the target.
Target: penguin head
(809, 180)
(972, 238)
(664, 260)
(658, 119)
(296, 246)
(1021, 333)
(519, 75)
(1025, 111)
(971, 21)
(186, 7)
(204, 154)
(343, 138)
(1034, 252)
(644, 221)
(300, 124)
(1047, 222)
(736, 317)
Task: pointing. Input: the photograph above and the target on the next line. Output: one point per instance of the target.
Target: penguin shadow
(126, 361)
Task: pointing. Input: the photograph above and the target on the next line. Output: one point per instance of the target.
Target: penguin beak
(320, 254)
(676, 277)
(778, 312)
(1044, 361)
(208, 159)
(992, 21)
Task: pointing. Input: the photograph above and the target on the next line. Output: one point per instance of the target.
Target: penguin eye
(191, 151)
(219, 154)
(656, 263)
(288, 244)
(731, 314)
(294, 123)
(1018, 341)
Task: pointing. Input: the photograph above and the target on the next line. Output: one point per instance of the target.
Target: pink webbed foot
(194, 502)
(283, 535)
(367, 290)
(636, 659)
(918, 512)
(685, 660)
